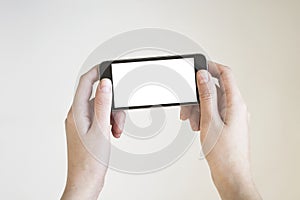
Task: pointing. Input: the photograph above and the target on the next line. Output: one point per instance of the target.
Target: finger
(221, 103)
(185, 111)
(81, 103)
(91, 110)
(117, 121)
(231, 92)
(195, 119)
(102, 105)
(226, 79)
(208, 98)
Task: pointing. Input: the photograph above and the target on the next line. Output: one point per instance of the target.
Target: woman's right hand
(222, 118)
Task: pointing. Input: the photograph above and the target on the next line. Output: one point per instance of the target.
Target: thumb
(208, 98)
(102, 103)
(99, 139)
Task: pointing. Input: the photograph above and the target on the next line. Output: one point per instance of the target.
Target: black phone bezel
(105, 71)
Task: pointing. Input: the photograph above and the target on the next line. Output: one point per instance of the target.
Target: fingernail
(105, 85)
(202, 76)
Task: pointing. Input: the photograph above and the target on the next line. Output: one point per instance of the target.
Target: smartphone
(153, 81)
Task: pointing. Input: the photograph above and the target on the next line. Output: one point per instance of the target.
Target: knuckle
(226, 72)
(245, 108)
(70, 118)
(83, 77)
(70, 113)
(242, 107)
(207, 95)
(67, 122)
(103, 99)
(242, 104)
(235, 99)
(100, 103)
(227, 68)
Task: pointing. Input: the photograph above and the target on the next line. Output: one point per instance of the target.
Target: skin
(94, 124)
(222, 117)
(223, 111)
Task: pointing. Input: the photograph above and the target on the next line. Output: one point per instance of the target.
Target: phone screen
(154, 82)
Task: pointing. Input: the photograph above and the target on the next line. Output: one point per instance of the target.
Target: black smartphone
(153, 81)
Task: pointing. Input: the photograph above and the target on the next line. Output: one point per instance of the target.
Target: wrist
(234, 183)
(76, 191)
(84, 181)
(237, 188)
(83, 187)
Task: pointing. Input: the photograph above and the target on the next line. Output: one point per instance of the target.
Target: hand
(88, 129)
(223, 121)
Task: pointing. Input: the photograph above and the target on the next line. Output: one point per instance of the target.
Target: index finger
(227, 81)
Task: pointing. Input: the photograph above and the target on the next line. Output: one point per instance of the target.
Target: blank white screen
(161, 82)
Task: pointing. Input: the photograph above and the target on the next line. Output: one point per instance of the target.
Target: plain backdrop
(44, 43)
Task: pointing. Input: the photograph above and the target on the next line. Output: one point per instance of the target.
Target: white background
(153, 93)
(44, 43)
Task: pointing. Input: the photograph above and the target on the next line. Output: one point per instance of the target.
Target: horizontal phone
(153, 81)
